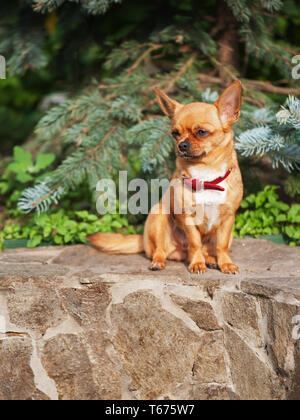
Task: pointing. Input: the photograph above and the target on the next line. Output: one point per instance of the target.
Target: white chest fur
(209, 200)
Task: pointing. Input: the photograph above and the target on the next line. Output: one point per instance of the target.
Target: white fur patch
(210, 199)
(212, 214)
(209, 196)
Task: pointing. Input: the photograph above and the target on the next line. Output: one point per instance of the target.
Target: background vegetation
(78, 105)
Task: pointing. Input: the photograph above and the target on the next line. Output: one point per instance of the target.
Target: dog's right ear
(229, 104)
(168, 105)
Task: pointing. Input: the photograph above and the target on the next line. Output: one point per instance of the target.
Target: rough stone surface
(213, 393)
(34, 306)
(78, 324)
(240, 311)
(201, 312)
(158, 351)
(210, 366)
(16, 375)
(251, 373)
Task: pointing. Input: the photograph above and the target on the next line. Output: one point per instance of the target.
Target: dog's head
(200, 128)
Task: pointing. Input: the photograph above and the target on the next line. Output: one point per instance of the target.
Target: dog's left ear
(168, 105)
(229, 104)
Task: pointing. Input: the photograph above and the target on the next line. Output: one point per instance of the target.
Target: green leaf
(4, 187)
(82, 237)
(58, 240)
(281, 218)
(23, 177)
(17, 167)
(292, 231)
(43, 161)
(41, 219)
(82, 214)
(283, 206)
(62, 230)
(32, 243)
(116, 224)
(68, 238)
(294, 213)
(21, 156)
(47, 231)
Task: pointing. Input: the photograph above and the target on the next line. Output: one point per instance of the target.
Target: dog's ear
(168, 105)
(229, 104)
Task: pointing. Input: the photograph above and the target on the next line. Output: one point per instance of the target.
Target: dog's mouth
(190, 157)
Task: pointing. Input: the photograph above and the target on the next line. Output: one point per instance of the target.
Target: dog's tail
(116, 243)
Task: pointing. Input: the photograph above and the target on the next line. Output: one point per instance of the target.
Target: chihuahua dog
(208, 190)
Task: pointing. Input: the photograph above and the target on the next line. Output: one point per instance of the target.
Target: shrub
(265, 214)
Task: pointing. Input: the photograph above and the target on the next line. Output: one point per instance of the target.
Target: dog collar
(198, 185)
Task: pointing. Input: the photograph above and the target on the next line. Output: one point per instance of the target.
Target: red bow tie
(198, 185)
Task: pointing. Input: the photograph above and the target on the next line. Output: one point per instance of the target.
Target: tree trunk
(228, 42)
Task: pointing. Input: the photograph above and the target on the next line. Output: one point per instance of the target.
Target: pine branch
(240, 9)
(258, 141)
(288, 157)
(39, 198)
(156, 142)
(118, 116)
(44, 6)
(152, 48)
(253, 84)
(290, 113)
(280, 142)
(24, 49)
(272, 5)
(93, 7)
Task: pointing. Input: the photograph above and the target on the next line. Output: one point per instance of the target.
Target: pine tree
(95, 132)
(275, 134)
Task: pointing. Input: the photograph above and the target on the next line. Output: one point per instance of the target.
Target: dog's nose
(184, 146)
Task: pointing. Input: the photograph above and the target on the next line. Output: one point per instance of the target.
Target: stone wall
(78, 324)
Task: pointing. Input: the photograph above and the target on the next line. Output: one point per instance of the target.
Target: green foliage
(266, 215)
(24, 167)
(277, 134)
(100, 130)
(22, 171)
(292, 185)
(113, 123)
(64, 227)
(18, 115)
(155, 141)
(1, 241)
(93, 7)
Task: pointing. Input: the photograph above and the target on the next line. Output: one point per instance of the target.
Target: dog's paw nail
(229, 269)
(198, 268)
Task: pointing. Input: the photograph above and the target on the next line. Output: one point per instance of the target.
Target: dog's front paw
(157, 265)
(198, 268)
(229, 268)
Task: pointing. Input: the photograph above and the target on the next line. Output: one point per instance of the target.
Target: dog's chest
(208, 201)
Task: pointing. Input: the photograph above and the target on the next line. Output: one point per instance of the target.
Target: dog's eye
(175, 133)
(201, 133)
